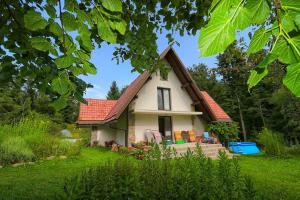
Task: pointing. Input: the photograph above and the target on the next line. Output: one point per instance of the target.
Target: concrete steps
(209, 150)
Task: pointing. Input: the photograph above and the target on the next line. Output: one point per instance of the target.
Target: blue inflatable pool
(244, 147)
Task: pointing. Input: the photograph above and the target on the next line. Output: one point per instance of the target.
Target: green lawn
(44, 180)
(281, 177)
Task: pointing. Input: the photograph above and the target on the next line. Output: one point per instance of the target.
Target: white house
(167, 104)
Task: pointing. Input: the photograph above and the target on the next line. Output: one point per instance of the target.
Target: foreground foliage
(277, 28)
(190, 177)
(48, 44)
(45, 180)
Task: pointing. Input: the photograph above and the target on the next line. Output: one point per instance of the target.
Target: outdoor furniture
(149, 136)
(192, 136)
(178, 137)
(207, 138)
(185, 136)
(199, 137)
(157, 136)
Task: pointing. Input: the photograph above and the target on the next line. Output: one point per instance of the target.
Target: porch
(209, 150)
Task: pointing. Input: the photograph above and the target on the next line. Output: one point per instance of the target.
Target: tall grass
(190, 177)
(30, 139)
(272, 143)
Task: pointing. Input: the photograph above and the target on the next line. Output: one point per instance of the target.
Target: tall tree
(114, 92)
(232, 66)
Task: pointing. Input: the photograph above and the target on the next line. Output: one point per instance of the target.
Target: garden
(38, 162)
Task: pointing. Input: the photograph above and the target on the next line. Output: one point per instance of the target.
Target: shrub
(14, 150)
(84, 134)
(272, 143)
(190, 177)
(224, 130)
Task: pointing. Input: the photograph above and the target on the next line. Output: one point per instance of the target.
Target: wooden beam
(186, 84)
(196, 103)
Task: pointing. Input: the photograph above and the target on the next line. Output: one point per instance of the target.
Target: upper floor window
(163, 98)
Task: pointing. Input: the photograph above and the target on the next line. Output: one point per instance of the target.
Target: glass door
(165, 127)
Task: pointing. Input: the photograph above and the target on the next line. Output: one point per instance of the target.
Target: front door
(165, 127)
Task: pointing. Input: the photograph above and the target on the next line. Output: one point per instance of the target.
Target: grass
(278, 177)
(45, 179)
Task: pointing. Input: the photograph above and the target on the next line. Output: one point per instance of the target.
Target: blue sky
(108, 70)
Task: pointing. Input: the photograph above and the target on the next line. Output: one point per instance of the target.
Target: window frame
(161, 89)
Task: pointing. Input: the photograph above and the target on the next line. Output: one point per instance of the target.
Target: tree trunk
(241, 118)
(261, 114)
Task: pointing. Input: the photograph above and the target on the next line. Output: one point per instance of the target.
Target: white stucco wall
(143, 122)
(147, 96)
(180, 101)
(182, 123)
(102, 134)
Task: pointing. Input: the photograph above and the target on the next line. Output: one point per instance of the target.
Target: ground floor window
(165, 127)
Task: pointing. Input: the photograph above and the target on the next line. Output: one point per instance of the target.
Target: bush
(84, 134)
(15, 150)
(190, 177)
(225, 130)
(272, 143)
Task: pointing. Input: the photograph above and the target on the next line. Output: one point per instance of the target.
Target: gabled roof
(95, 110)
(218, 113)
(212, 111)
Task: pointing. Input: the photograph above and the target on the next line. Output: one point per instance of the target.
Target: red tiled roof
(95, 110)
(218, 113)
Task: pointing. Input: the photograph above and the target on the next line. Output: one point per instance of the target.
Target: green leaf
(112, 5)
(259, 40)
(34, 21)
(242, 19)
(104, 29)
(216, 36)
(51, 11)
(297, 21)
(220, 31)
(60, 103)
(69, 21)
(291, 4)
(260, 71)
(60, 85)
(288, 22)
(56, 29)
(259, 10)
(222, 5)
(85, 34)
(120, 26)
(292, 79)
(65, 61)
(42, 44)
(89, 68)
(285, 51)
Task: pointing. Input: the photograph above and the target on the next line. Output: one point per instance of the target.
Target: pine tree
(114, 92)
